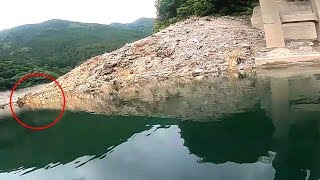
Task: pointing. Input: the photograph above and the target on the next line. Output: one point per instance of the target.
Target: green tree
(170, 11)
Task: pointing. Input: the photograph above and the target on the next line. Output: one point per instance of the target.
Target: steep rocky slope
(192, 50)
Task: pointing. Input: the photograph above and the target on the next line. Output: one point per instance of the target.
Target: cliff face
(192, 50)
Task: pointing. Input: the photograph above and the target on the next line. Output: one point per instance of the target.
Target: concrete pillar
(316, 9)
(272, 23)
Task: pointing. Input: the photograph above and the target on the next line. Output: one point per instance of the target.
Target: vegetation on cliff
(171, 11)
(57, 46)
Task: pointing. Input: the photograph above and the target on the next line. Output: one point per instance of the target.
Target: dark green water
(278, 138)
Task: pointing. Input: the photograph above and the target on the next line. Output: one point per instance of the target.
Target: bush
(171, 11)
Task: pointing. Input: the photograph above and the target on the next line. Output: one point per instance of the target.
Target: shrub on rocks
(171, 11)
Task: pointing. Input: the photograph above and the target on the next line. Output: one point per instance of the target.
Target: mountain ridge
(56, 46)
(87, 23)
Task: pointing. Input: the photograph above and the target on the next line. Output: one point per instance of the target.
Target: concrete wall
(304, 30)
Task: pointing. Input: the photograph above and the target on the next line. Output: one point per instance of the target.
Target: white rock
(198, 71)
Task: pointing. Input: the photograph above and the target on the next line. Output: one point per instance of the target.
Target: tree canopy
(170, 11)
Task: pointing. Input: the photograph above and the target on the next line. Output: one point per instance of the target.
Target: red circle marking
(41, 127)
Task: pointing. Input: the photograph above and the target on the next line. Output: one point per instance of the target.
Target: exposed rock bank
(5, 96)
(192, 50)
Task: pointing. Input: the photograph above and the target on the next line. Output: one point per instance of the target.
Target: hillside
(157, 68)
(56, 46)
(171, 11)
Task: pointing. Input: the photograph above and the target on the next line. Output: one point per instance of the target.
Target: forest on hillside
(56, 46)
(171, 11)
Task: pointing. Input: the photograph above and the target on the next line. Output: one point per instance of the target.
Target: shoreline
(190, 50)
(20, 93)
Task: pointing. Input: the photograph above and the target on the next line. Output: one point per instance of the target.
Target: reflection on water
(88, 146)
(276, 137)
(183, 99)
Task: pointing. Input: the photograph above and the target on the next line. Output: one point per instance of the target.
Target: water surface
(276, 137)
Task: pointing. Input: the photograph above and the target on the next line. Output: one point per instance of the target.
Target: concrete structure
(302, 30)
(282, 19)
(288, 59)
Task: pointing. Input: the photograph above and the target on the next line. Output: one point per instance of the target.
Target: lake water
(276, 137)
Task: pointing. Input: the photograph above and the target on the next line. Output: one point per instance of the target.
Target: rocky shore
(190, 51)
(194, 49)
(5, 96)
